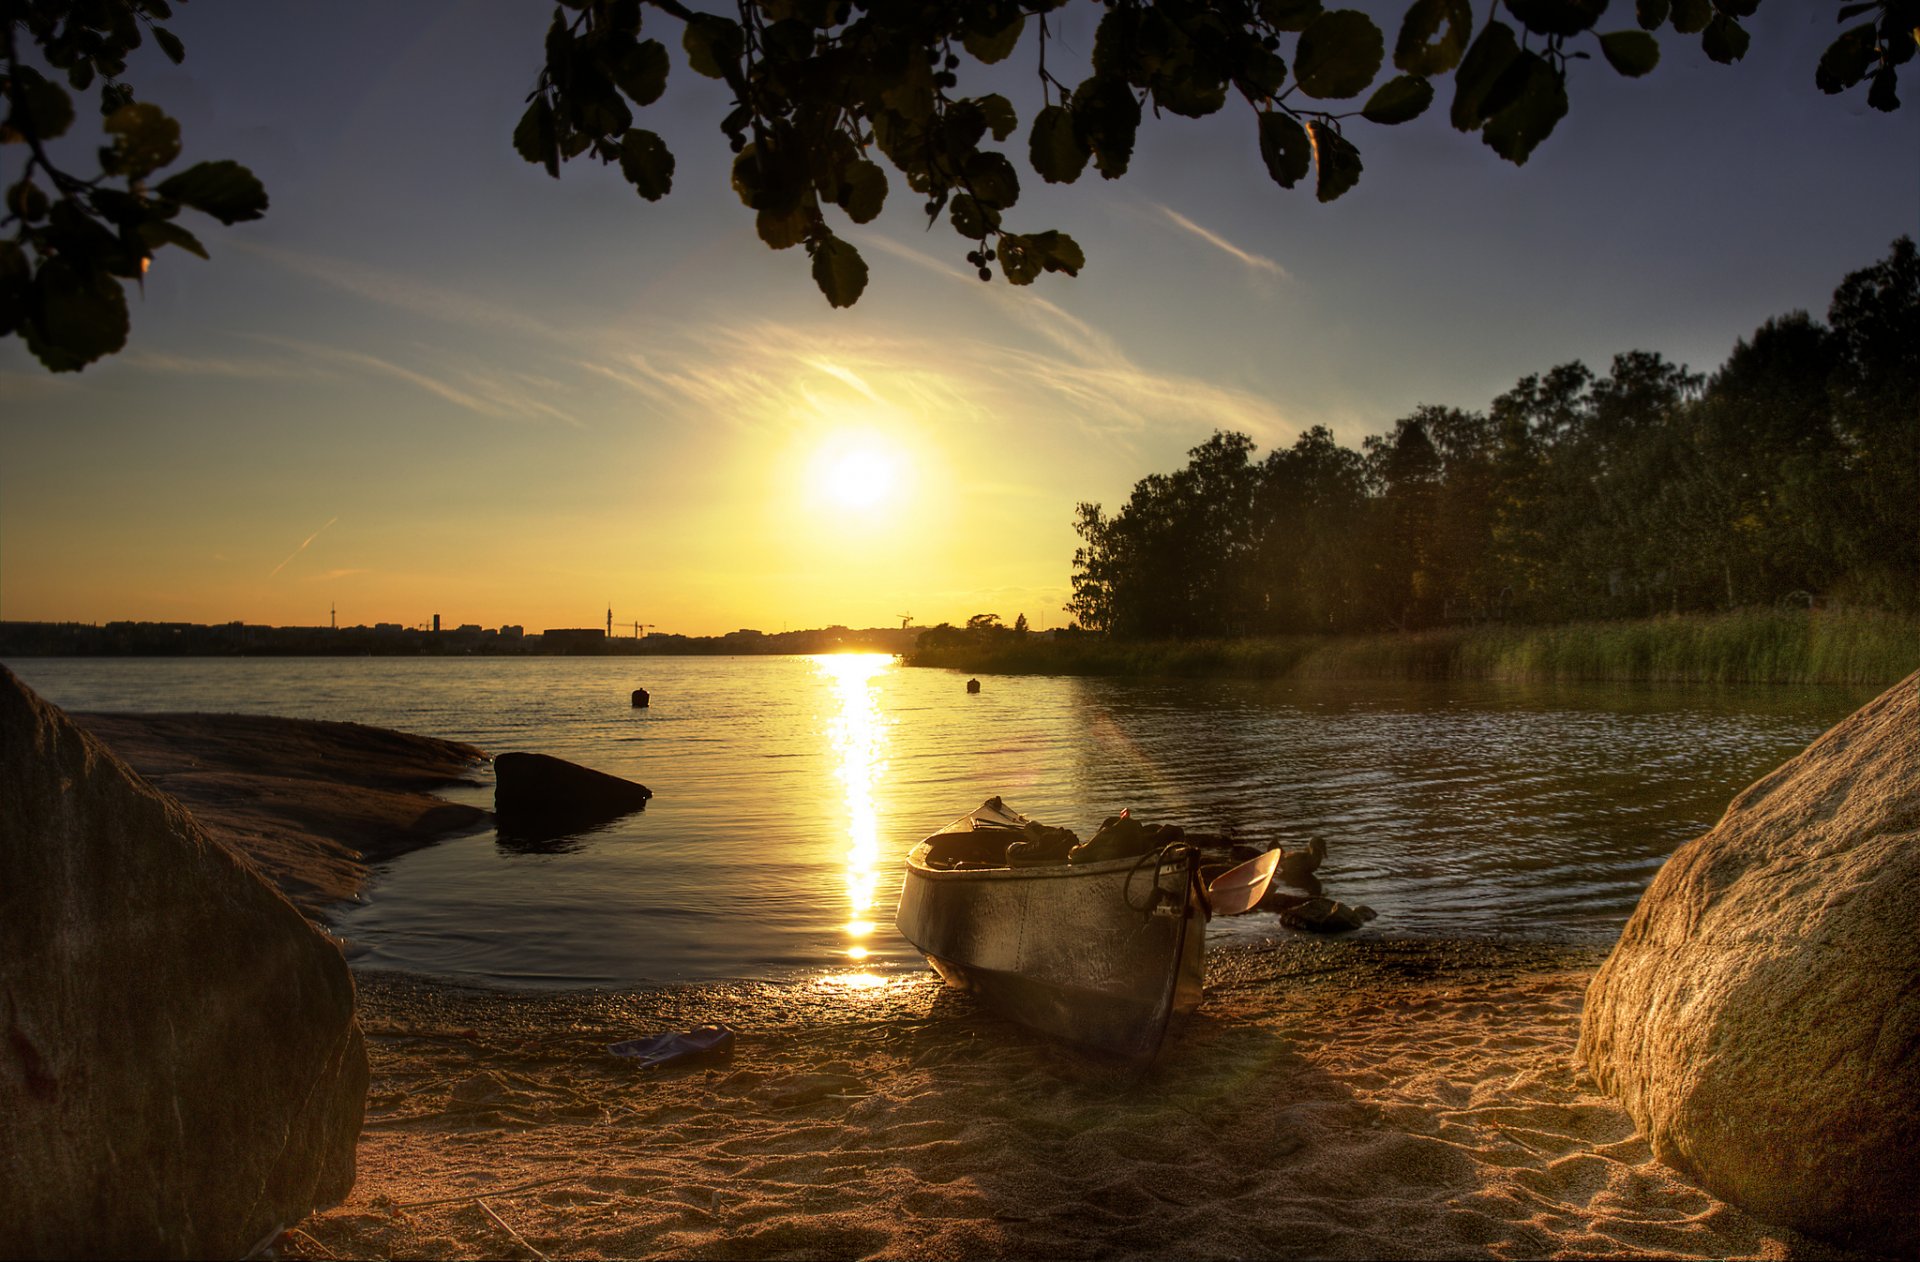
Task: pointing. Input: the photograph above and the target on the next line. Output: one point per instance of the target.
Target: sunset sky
(432, 380)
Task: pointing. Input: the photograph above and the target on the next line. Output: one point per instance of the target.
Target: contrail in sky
(302, 548)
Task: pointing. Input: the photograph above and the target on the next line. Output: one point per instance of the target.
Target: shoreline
(1824, 648)
(312, 804)
(1386, 1097)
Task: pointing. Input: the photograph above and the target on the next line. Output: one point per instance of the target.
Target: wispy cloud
(405, 292)
(486, 393)
(1258, 262)
(302, 548)
(327, 576)
(1050, 363)
(220, 366)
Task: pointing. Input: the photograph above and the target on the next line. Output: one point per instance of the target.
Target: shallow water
(788, 789)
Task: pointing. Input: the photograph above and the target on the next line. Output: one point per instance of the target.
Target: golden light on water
(857, 735)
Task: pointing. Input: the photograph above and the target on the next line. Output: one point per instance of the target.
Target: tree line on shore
(1789, 475)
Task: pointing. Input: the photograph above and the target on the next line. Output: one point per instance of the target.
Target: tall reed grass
(1755, 646)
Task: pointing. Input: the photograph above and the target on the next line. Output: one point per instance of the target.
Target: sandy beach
(1336, 1098)
(1408, 1099)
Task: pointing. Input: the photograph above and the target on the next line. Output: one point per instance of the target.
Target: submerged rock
(181, 1073)
(1760, 1016)
(540, 793)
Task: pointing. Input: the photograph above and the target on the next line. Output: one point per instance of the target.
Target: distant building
(469, 628)
(512, 633)
(574, 640)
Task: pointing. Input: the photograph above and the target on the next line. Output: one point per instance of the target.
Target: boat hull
(1106, 955)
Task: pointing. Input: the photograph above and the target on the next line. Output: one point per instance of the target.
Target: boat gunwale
(916, 866)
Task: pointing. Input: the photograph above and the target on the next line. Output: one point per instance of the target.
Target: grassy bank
(1851, 646)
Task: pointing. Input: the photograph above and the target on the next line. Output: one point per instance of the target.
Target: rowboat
(1108, 954)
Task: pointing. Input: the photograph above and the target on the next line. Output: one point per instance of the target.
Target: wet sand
(1373, 1098)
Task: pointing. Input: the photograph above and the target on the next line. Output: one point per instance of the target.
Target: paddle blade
(1239, 888)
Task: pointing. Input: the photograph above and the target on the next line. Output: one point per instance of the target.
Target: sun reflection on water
(858, 737)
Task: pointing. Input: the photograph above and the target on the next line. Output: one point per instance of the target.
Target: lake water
(788, 790)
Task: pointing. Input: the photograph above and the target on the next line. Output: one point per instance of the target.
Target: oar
(1239, 888)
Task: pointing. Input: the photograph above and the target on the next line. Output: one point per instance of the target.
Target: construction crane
(647, 625)
(905, 618)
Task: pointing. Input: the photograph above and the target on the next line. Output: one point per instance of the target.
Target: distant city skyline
(434, 380)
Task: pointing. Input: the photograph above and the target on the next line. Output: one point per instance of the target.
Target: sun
(857, 475)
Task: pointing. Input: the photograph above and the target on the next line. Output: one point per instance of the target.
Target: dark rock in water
(181, 1074)
(535, 794)
(1760, 1016)
(1325, 915)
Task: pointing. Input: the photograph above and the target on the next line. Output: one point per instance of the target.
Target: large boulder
(1760, 1016)
(181, 1074)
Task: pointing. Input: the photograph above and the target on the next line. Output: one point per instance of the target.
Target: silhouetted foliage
(1789, 476)
(825, 89)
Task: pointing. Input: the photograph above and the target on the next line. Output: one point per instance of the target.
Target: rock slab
(181, 1072)
(1760, 1015)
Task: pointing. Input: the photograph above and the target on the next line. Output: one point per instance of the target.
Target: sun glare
(857, 475)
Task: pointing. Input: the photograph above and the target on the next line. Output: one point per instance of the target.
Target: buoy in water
(640, 698)
(973, 685)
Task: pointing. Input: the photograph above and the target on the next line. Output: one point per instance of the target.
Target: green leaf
(839, 271)
(1336, 161)
(1285, 148)
(1020, 261)
(1725, 40)
(714, 45)
(170, 45)
(783, 230)
(998, 112)
(39, 105)
(1541, 103)
(641, 71)
(1054, 147)
(1692, 16)
(534, 140)
(16, 287)
(1557, 17)
(1399, 100)
(1289, 15)
(1338, 55)
(988, 42)
(226, 190)
(863, 191)
(1884, 94)
(991, 178)
(972, 218)
(647, 163)
(27, 201)
(155, 233)
(1058, 252)
(1433, 36)
(1740, 8)
(1106, 118)
(1650, 13)
(75, 317)
(1632, 53)
(1262, 74)
(1846, 60)
(144, 139)
(1486, 61)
